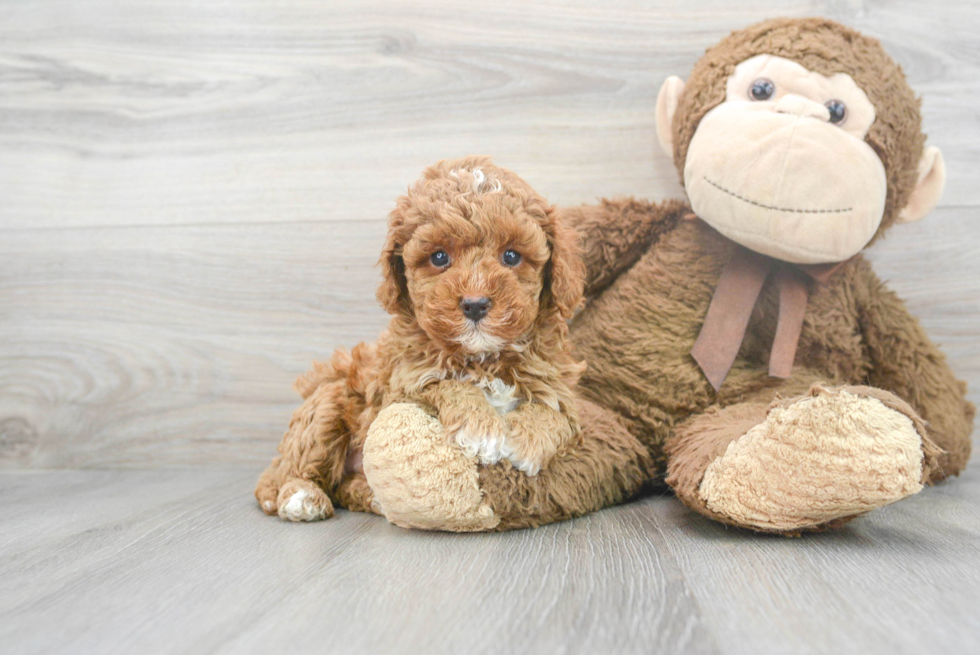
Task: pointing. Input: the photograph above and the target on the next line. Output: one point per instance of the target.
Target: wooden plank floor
(184, 562)
(193, 198)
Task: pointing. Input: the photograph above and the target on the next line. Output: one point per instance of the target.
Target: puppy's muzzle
(475, 308)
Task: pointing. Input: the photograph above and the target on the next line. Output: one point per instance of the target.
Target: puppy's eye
(838, 111)
(439, 259)
(511, 258)
(762, 89)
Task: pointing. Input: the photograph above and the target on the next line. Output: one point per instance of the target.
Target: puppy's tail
(355, 368)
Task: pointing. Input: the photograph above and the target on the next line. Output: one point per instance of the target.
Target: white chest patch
(501, 396)
(490, 448)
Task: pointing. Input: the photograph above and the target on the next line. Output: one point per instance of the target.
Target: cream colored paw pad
(824, 457)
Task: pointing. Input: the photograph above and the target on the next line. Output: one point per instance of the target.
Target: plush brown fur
(855, 332)
(422, 480)
(605, 467)
(431, 353)
(703, 438)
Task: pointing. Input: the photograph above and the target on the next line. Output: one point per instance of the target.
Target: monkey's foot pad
(825, 457)
(420, 478)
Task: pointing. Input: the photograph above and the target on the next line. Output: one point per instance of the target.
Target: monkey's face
(781, 166)
(800, 139)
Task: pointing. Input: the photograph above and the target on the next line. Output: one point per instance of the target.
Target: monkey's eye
(762, 89)
(439, 259)
(511, 258)
(838, 111)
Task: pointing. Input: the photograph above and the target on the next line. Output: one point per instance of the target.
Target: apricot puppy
(480, 277)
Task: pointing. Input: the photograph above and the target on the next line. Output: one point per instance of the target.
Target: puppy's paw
(485, 441)
(267, 488)
(302, 500)
(524, 456)
(535, 432)
(476, 428)
(529, 466)
(527, 451)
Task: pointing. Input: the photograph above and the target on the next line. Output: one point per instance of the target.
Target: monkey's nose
(474, 308)
(803, 107)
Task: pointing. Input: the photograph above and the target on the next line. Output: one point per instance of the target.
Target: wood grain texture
(248, 111)
(179, 562)
(193, 199)
(194, 194)
(160, 346)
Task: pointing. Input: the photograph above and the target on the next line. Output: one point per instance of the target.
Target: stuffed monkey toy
(739, 346)
(742, 337)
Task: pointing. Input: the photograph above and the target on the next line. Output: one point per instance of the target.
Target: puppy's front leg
(535, 432)
(468, 417)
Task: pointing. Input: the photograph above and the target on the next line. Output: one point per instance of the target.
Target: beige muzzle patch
(785, 185)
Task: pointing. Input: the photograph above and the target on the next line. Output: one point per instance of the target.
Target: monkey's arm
(615, 233)
(907, 363)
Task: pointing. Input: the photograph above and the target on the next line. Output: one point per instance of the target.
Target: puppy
(480, 278)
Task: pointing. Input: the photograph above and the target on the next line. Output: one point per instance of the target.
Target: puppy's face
(475, 282)
(474, 256)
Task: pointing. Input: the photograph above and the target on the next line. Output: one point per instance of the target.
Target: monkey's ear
(667, 99)
(929, 188)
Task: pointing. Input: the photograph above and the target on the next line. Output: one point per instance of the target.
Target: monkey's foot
(420, 478)
(819, 460)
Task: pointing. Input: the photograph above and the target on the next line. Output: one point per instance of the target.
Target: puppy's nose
(474, 308)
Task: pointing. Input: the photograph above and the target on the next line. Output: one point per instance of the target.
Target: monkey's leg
(419, 476)
(806, 463)
(311, 461)
(421, 479)
(907, 362)
(606, 466)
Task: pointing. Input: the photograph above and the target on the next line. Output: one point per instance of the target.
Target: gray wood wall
(193, 195)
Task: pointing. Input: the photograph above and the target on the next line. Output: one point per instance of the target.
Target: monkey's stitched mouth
(773, 208)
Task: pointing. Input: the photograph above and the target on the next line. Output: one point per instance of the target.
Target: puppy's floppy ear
(566, 276)
(393, 290)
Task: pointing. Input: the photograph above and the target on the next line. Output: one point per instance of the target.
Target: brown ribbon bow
(731, 307)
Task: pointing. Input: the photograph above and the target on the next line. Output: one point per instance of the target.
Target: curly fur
(467, 373)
